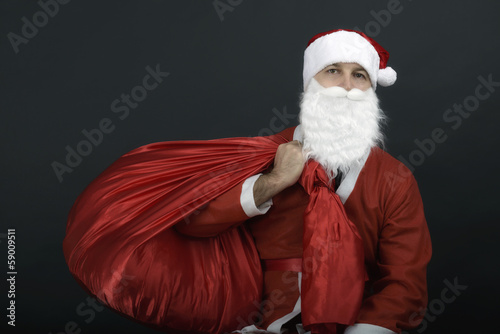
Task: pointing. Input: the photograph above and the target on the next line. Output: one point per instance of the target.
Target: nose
(346, 82)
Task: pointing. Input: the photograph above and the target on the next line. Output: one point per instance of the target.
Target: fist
(288, 163)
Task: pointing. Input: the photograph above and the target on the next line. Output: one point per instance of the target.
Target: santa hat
(347, 46)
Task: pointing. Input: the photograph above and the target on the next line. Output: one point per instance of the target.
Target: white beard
(338, 126)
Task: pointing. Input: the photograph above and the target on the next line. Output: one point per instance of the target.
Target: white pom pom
(386, 76)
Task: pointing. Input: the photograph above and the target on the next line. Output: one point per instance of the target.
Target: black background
(227, 74)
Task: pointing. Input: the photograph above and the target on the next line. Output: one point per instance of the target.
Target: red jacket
(386, 207)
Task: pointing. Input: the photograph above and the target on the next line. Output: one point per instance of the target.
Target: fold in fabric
(120, 245)
(333, 271)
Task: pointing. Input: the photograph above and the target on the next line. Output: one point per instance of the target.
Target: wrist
(275, 182)
(266, 187)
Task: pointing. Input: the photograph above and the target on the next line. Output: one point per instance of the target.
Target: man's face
(340, 117)
(345, 75)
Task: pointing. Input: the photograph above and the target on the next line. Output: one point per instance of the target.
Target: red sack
(120, 246)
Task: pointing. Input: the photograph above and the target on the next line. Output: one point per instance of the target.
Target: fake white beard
(338, 126)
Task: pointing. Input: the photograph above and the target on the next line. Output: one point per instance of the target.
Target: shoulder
(382, 163)
(393, 178)
(382, 160)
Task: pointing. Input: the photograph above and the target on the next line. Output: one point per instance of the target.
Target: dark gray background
(226, 76)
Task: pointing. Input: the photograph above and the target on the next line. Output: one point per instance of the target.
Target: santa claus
(313, 229)
(340, 127)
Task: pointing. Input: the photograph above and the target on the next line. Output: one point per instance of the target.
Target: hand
(288, 165)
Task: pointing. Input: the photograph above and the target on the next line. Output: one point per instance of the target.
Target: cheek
(363, 85)
(326, 80)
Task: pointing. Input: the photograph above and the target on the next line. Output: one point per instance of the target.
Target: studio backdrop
(84, 82)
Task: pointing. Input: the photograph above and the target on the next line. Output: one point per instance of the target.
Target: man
(339, 128)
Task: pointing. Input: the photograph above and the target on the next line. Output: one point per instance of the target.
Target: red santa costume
(380, 196)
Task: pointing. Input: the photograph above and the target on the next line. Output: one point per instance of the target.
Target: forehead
(350, 66)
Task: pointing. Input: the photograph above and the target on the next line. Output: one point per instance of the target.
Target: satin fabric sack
(121, 247)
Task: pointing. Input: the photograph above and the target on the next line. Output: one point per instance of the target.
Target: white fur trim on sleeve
(367, 329)
(248, 202)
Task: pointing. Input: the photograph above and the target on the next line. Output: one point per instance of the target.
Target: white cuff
(248, 202)
(367, 329)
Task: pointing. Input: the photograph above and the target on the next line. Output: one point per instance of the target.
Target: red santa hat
(347, 46)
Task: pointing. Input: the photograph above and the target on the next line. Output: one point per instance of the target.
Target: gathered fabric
(333, 272)
(120, 244)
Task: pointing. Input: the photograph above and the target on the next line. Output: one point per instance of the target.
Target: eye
(332, 70)
(359, 76)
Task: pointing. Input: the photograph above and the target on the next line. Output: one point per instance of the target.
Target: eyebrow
(357, 68)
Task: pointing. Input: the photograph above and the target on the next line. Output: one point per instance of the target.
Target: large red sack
(120, 244)
(121, 247)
